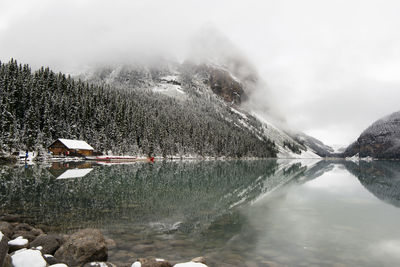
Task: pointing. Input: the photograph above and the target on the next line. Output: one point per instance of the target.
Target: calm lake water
(235, 213)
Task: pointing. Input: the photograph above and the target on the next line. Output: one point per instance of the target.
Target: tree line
(37, 107)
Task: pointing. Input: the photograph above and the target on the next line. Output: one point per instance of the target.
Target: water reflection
(237, 213)
(68, 170)
(381, 178)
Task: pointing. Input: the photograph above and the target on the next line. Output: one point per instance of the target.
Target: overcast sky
(333, 67)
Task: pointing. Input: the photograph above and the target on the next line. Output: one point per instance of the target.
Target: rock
(7, 261)
(190, 264)
(26, 234)
(50, 259)
(28, 258)
(37, 232)
(23, 227)
(3, 248)
(152, 262)
(82, 247)
(11, 218)
(200, 260)
(7, 229)
(17, 244)
(49, 243)
(99, 264)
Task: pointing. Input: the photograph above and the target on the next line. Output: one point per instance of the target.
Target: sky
(330, 67)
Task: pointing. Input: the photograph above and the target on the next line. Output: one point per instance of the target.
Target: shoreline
(27, 242)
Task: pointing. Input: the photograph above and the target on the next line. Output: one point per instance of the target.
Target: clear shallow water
(236, 213)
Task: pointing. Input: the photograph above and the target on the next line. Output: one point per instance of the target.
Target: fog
(329, 68)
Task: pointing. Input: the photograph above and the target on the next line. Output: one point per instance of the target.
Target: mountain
(380, 140)
(210, 84)
(314, 144)
(136, 110)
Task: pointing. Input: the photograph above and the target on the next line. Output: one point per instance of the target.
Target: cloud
(326, 66)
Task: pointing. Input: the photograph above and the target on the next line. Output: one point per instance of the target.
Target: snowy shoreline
(23, 245)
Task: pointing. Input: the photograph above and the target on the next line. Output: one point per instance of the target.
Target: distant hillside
(380, 140)
(316, 145)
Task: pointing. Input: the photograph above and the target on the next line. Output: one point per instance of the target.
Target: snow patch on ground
(1, 235)
(136, 264)
(288, 154)
(239, 113)
(168, 89)
(100, 264)
(279, 137)
(28, 258)
(190, 264)
(19, 241)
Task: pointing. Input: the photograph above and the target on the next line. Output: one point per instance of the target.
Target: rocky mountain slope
(316, 145)
(214, 85)
(380, 140)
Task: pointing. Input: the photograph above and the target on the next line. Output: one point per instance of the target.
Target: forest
(37, 107)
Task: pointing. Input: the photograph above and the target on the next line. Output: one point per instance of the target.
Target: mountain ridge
(380, 140)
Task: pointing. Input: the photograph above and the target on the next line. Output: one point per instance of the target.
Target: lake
(235, 213)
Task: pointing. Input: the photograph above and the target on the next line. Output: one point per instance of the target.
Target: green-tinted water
(236, 213)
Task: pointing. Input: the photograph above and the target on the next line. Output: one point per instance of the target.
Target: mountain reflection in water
(242, 213)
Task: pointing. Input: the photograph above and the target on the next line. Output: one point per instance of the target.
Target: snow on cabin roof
(76, 144)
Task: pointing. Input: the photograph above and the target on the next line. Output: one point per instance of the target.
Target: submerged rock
(152, 262)
(26, 231)
(49, 243)
(99, 264)
(83, 246)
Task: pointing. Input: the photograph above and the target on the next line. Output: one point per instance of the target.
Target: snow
(279, 137)
(100, 264)
(190, 264)
(288, 154)
(31, 156)
(354, 158)
(74, 173)
(136, 264)
(28, 258)
(169, 86)
(169, 89)
(368, 159)
(170, 78)
(239, 113)
(19, 241)
(59, 265)
(1, 235)
(76, 144)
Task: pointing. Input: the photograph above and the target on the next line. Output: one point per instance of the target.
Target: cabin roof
(75, 144)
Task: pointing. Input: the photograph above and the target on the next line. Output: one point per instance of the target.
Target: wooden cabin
(69, 147)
